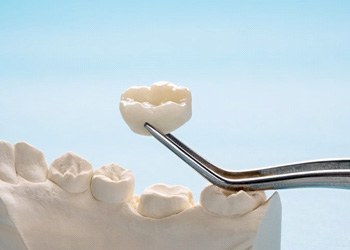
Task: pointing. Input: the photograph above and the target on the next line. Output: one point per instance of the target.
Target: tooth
(7, 163)
(112, 184)
(30, 163)
(71, 172)
(219, 201)
(163, 105)
(159, 201)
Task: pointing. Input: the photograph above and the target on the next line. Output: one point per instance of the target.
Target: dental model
(163, 104)
(70, 206)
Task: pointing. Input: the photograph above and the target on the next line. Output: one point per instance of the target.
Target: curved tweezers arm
(321, 173)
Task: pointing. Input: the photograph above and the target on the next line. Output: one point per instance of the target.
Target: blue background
(270, 85)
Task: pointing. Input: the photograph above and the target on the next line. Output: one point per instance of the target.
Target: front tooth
(71, 172)
(163, 105)
(112, 184)
(222, 202)
(30, 163)
(159, 201)
(7, 163)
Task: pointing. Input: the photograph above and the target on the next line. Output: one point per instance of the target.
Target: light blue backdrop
(270, 84)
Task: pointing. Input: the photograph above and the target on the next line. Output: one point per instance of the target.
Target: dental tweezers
(329, 173)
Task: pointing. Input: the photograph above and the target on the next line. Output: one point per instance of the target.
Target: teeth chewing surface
(221, 202)
(114, 184)
(160, 200)
(71, 172)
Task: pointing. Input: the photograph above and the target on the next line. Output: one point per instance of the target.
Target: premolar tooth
(30, 163)
(71, 172)
(222, 202)
(159, 201)
(163, 105)
(7, 162)
(112, 184)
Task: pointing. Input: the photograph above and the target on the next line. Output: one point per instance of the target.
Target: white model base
(43, 216)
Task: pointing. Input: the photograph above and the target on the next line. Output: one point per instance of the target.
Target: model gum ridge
(71, 206)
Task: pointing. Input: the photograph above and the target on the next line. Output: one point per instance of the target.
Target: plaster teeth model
(112, 184)
(30, 163)
(44, 215)
(71, 207)
(160, 200)
(226, 203)
(71, 172)
(163, 104)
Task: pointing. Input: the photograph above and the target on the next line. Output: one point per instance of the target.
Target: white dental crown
(163, 104)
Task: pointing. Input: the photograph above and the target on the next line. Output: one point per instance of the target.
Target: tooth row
(72, 173)
(114, 184)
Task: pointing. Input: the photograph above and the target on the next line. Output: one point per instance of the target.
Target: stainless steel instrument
(329, 173)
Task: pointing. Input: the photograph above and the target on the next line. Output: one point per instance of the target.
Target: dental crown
(163, 104)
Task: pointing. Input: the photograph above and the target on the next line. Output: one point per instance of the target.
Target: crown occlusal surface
(71, 172)
(163, 105)
(112, 184)
(160, 200)
(30, 163)
(222, 202)
(7, 162)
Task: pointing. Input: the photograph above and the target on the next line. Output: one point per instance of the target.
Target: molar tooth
(112, 184)
(71, 172)
(163, 105)
(7, 162)
(160, 200)
(30, 163)
(226, 203)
